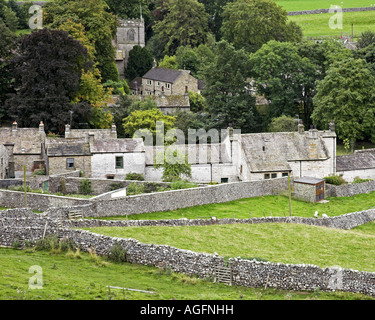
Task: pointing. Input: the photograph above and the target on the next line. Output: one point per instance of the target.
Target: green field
(82, 279)
(263, 207)
(275, 242)
(317, 25)
(299, 5)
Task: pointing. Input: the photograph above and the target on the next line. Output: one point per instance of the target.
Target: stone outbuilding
(309, 189)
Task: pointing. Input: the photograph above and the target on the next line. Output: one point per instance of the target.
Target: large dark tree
(47, 70)
(100, 28)
(6, 45)
(140, 61)
(226, 79)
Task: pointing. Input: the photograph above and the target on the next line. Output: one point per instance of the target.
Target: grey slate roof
(68, 148)
(266, 152)
(163, 74)
(360, 159)
(117, 146)
(308, 180)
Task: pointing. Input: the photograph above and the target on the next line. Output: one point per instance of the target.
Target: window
(131, 35)
(119, 162)
(148, 82)
(168, 85)
(158, 84)
(266, 176)
(110, 176)
(224, 180)
(274, 175)
(70, 163)
(285, 174)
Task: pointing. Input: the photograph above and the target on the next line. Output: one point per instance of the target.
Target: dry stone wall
(23, 225)
(349, 190)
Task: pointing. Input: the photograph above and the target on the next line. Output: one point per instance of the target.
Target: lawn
(263, 207)
(82, 279)
(275, 242)
(317, 25)
(299, 5)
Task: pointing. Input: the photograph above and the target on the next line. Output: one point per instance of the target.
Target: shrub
(85, 187)
(134, 176)
(115, 186)
(360, 180)
(16, 244)
(335, 180)
(117, 254)
(135, 188)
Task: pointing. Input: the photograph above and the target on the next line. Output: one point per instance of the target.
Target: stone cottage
(29, 147)
(114, 158)
(67, 155)
(4, 162)
(273, 155)
(162, 81)
(360, 164)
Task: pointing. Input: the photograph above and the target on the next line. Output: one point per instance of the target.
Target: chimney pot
(14, 126)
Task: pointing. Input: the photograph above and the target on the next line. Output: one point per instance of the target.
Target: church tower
(130, 33)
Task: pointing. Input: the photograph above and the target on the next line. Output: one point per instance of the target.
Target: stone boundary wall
(348, 190)
(98, 186)
(245, 272)
(176, 199)
(345, 222)
(6, 183)
(317, 11)
(37, 201)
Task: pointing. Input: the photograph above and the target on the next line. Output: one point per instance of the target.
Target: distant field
(299, 5)
(317, 25)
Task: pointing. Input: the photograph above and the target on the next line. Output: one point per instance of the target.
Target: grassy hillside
(82, 279)
(316, 25)
(286, 243)
(298, 5)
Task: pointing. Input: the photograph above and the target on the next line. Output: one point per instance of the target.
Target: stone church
(130, 33)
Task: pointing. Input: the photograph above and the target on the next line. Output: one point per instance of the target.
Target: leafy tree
(249, 24)
(214, 8)
(346, 96)
(197, 102)
(366, 38)
(7, 41)
(47, 69)
(99, 25)
(175, 166)
(226, 79)
(140, 61)
(187, 59)
(146, 119)
(189, 120)
(185, 23)
(368, 54)
(169, 62)
(20, 13)
(10, 18)
(284, 78)
(283, 124)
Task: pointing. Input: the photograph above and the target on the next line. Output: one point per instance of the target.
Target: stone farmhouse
(238, 157)
(26, 147)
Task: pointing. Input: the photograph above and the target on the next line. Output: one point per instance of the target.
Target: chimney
(91, 138)
(301, 128)
(41, 126)
(14, 126)
(113, 131)
(67, 131)
(186, 90)
(154, 64)
(332, 126)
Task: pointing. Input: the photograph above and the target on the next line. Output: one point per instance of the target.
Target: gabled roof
(67, 147)
(308, 180)
(272, 151)
(360, 159)
(163, 74)
(25, 140)
(117, 146)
